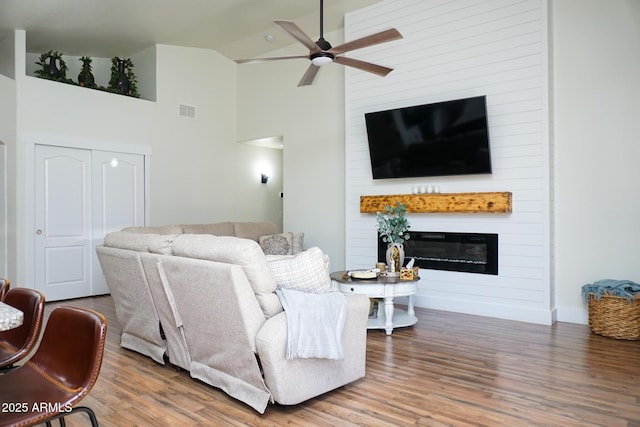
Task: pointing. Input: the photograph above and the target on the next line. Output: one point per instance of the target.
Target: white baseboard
(573, 315)
(521, 314)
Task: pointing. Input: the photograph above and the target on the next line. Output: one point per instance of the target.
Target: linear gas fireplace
(466, 252)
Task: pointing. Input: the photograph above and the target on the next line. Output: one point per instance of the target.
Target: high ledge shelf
(491, 202)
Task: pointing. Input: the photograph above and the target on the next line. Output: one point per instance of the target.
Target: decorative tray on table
(364, 274)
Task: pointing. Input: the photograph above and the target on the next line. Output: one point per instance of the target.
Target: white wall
(7, 54)
(596, 59)
(259, 201)
(455, 50)
(193, 176)
(311, 121)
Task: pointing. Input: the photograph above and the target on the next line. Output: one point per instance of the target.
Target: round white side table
(387, 289)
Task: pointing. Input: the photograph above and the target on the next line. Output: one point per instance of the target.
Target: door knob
(38, 232)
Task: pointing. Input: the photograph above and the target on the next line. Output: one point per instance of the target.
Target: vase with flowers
(393, 227)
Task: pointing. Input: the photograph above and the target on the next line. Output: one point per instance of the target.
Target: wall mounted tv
(443, 138)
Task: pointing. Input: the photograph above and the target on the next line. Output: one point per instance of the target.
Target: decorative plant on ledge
(393, 225)
(49, 67)
(86, 78)
(123, 80)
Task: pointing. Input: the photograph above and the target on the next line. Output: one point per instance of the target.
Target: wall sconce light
(264, 178)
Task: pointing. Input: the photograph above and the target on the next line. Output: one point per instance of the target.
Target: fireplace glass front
(465, 252)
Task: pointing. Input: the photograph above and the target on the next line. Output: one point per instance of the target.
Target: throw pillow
(307, 271)
(277, 244)
(298, 242)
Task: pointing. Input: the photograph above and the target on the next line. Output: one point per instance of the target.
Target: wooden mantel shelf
(496, 202)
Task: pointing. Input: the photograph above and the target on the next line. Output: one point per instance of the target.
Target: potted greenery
(86, 78)
(52, 66)
(393, 227)
(123, 80)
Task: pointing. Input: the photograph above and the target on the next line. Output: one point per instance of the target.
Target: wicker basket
(615, 317)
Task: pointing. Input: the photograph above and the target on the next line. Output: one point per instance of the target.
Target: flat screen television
(443, 138)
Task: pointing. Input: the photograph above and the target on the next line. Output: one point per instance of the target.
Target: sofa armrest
(294, 381)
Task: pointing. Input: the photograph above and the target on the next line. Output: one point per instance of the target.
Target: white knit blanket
(315, 323)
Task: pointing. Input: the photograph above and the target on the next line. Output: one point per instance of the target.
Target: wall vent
(188, 111)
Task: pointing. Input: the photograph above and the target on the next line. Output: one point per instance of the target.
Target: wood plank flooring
(448, 370)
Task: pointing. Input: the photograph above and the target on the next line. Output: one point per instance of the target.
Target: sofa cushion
(307, 271)
(141, 242)
(162, 229)
(162, 245)
(217, 229)
(233, 250)
(253, 230)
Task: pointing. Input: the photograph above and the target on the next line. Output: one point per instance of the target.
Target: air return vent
(188, 111)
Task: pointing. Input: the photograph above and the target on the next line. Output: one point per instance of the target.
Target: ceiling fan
(322, 53)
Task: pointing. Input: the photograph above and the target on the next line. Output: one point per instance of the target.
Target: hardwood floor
(448, 370)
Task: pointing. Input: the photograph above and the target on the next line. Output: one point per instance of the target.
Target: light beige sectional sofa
(203, 297)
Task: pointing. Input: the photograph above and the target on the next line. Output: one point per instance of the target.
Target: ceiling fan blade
(299, 35)
(273, 58)
(364, 66)
(373, 39)
(309, 75)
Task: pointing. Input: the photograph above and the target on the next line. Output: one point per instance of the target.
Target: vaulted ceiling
(236, 28)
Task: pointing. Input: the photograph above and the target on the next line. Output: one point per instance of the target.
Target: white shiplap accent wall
(455, 49)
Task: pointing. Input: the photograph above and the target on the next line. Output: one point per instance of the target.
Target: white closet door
(81, 195)
(118, 200)
(62, 222)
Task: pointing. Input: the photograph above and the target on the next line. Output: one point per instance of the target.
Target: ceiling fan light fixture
(321, 53)
(322, 58)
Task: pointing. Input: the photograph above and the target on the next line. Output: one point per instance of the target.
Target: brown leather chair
(61, 372)
(17, 343)
(5, 284)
